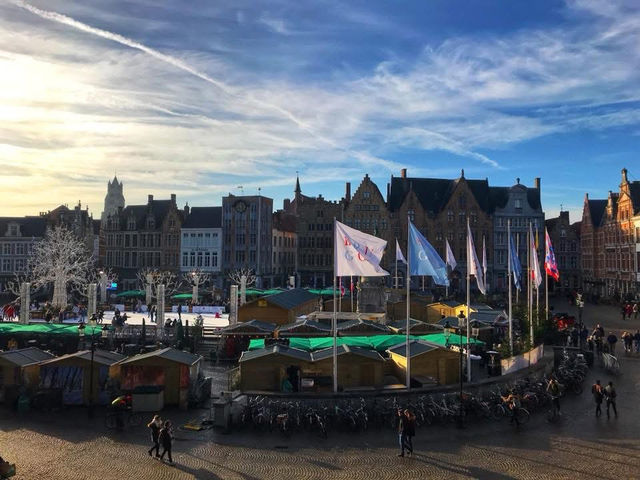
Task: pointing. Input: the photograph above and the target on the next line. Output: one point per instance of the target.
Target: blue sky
(197, 98)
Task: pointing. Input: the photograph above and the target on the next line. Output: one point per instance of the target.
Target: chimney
(624, 176)
(150, 199)
(403, 173)
(536, 183)
(347, 193)
(286, 204)
(186, 210)
(173, 198)
(564, 214)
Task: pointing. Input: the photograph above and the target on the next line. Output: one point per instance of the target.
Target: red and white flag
(357, 253)
(536, 274)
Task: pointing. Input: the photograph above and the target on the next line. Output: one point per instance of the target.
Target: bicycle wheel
(523, 416)
(135, 419)
(111, 421)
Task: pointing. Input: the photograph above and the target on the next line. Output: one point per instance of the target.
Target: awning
(132, 293)
(182, 296)
(47, 328)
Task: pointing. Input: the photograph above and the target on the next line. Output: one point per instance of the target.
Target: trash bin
(147, 398)
(221, 412)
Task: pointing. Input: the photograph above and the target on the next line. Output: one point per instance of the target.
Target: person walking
(612, 340)
(553, 387)
(623, 310)
(155, 425)
(627, 339)
(402, 435)
(610, 394)
(180, 311)
(598, 395)
(165, 438)
(410, 430)
(636, 341)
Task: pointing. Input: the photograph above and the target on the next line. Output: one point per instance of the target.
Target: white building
(201, 241)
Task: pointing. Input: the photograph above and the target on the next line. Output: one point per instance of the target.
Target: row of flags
(359, 254)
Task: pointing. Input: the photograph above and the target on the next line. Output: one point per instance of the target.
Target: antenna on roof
(241, 188)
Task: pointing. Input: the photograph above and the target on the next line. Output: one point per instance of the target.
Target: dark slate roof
(159, 210)
(401, 325)
(533, 197)
(304, 323)
(290, 298)
(551, 223)
(634, 190)
(250, 325)
(26, 356)
(488, 316)
(499, 196)
(172, 354)
(101, 357)
(276, 350)
(344, 349)
(597, 209)
(363, 324)
(284, 222)
(96, 227)
(577, 228)
(204, 217)
(29, 226)
(416, 347)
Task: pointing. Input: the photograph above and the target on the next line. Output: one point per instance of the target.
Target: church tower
(114, 198)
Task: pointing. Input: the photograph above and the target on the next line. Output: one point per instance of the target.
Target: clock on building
(240, 206)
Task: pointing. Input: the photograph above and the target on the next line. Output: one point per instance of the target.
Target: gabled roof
(416, 347)
(284, 222)
(252, 326)
(597, 209)
(401, 326)
(362, 325)
(172, 354)
(158, 208)
(306, 326)
(26, 356)
(101, 357)
(204, 217)
(276, 350)
(29, 226)
(346, 349)
(290, 298)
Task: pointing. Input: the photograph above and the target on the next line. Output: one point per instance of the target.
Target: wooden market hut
(266, 368)
(20, 368)
(172, 369)
(429, 362)
(72, 374)
(303, 328)
(252, 328)
(397, 310)
(358, 368)
(362, 327)
(447, 308)
(280, 308)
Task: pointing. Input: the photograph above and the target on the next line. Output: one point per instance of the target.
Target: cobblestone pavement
(69, 447)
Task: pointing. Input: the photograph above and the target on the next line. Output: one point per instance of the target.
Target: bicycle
(122, 419)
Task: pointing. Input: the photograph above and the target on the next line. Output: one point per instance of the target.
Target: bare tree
(60, 259)
(236, 276)
(196, 278)
(153, 277)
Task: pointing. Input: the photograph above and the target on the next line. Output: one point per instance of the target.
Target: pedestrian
(610, 395)
(410, 430)
(180, 311)
(636, 341)
(612, 340)
(553, 387)
(627, 338)
(598, 394)
(155, 425)
(402, 436)
(623, 310)
(165, 438)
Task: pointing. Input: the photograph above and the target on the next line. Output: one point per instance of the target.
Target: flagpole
(351, 289)
(340, 297)
(529, 285)
(518, 254)
(335, 319)
(397, 264)
(535, 244)
(408, 279)
(546, 278)
(509, 281)
(468, 301)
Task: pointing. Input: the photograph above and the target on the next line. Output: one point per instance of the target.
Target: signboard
(112, 286)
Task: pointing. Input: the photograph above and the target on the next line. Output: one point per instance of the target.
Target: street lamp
(461, 321)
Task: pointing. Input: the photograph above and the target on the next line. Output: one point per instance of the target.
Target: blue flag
(423, 258)
(516, 270)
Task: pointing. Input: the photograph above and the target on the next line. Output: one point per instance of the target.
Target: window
(13, 230)
(450, 216)
(518, 204)
(563, 233)
(461, 218)
(185, 259)
(134, 240)
(240, 256)
(366, 194)
(19, 265)
(462, 201)
(200, 259)
(127, 240)
(131, 224)
(412, 215)
(192, 259)
(6, 265)
(20, 248)
(214, 259)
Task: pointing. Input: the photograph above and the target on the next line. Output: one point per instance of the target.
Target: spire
(297, 190)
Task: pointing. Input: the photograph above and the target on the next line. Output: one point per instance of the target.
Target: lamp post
(103, 334)
(461, 319)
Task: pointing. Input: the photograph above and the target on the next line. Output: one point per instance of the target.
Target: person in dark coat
(155, 425)
(409, 430)
(402, 435)
(165, 439)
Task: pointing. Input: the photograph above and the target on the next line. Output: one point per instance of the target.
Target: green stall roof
(379, 343)
(47, 328)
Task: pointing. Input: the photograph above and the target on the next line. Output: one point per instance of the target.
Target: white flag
(473, 264)
(399, 255)
(535, 264)
(357, 253)
(451, 260)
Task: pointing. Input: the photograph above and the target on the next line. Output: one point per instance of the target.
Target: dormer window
(13, 230)
(151, 224)
(518, 204)
(131, 224)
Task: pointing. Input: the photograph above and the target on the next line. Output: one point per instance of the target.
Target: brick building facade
(565, 239)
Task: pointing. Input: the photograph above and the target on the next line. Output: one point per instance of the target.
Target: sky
(206, 98)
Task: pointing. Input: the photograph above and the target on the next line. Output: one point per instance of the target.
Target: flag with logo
(550, 265)
(473, 264)
(399, 255)
(536, 274)
(424, 260)
(516, 269)
(357, 253)
(451, 260)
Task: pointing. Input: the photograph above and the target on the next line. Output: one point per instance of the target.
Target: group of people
(631, 341)
(406, 431)
(600, 343)
(607, 394)
(161, 436)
